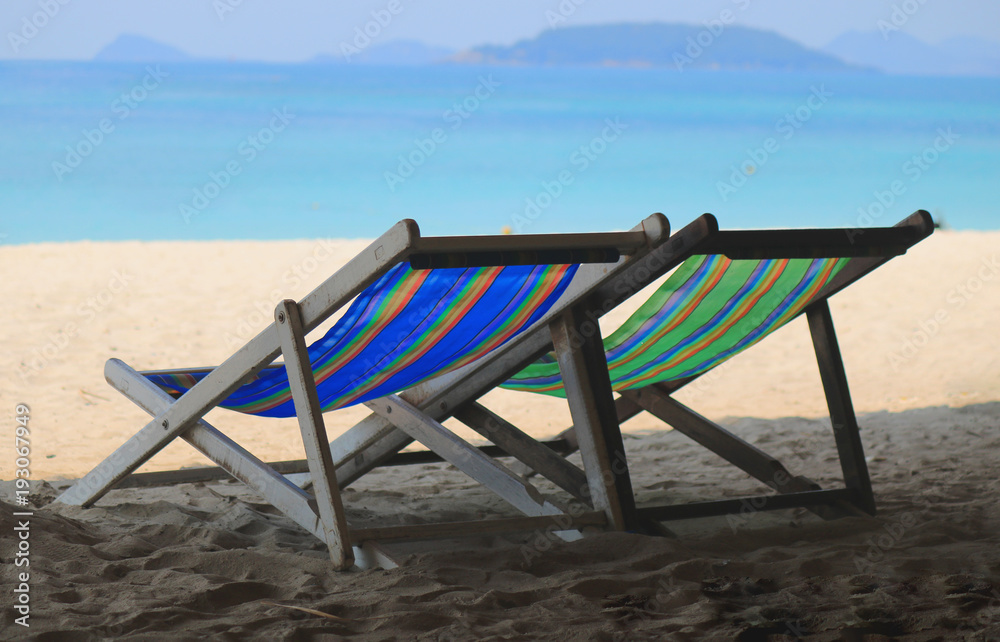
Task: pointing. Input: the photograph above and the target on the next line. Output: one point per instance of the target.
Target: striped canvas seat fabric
(708, 310)
(409, 326)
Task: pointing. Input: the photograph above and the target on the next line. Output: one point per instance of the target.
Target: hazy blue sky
(299, 29)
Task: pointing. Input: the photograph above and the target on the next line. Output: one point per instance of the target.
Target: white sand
(199, 559)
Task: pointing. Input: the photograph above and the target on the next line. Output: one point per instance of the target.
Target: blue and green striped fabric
(708, 310)
(409, 326)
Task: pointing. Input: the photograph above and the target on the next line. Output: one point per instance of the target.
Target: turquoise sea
(260, 151)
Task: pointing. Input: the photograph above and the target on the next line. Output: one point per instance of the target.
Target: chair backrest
(708, 310)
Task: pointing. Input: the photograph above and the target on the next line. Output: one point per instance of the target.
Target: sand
(920, 343)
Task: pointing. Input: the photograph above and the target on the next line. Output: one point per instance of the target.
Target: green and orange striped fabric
(708, 310)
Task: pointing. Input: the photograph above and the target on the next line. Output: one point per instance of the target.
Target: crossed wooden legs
(584, 369)
(608, 490)
(604, 483)
(793, 491)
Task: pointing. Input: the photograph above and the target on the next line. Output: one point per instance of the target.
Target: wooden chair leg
(467, 458)
(838, 399)
(232, 458)
(580, 352)
(307, 408)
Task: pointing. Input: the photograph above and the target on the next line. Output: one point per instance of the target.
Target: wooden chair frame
(322, 513)
(572, 330)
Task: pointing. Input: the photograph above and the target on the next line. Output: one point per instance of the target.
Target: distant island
(654, 45)
(676, 46)
(132, 48)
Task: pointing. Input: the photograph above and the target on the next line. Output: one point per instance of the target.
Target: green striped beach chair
(447, 319)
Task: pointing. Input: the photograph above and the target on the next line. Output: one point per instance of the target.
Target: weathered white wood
(584, 371)
(222, 450)
(464, 456)
(316, 307)
(176, 419)
(370, 554)
(317, 445)
(365, 446)
(525, 448)
(357, 274)
(290, 470)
